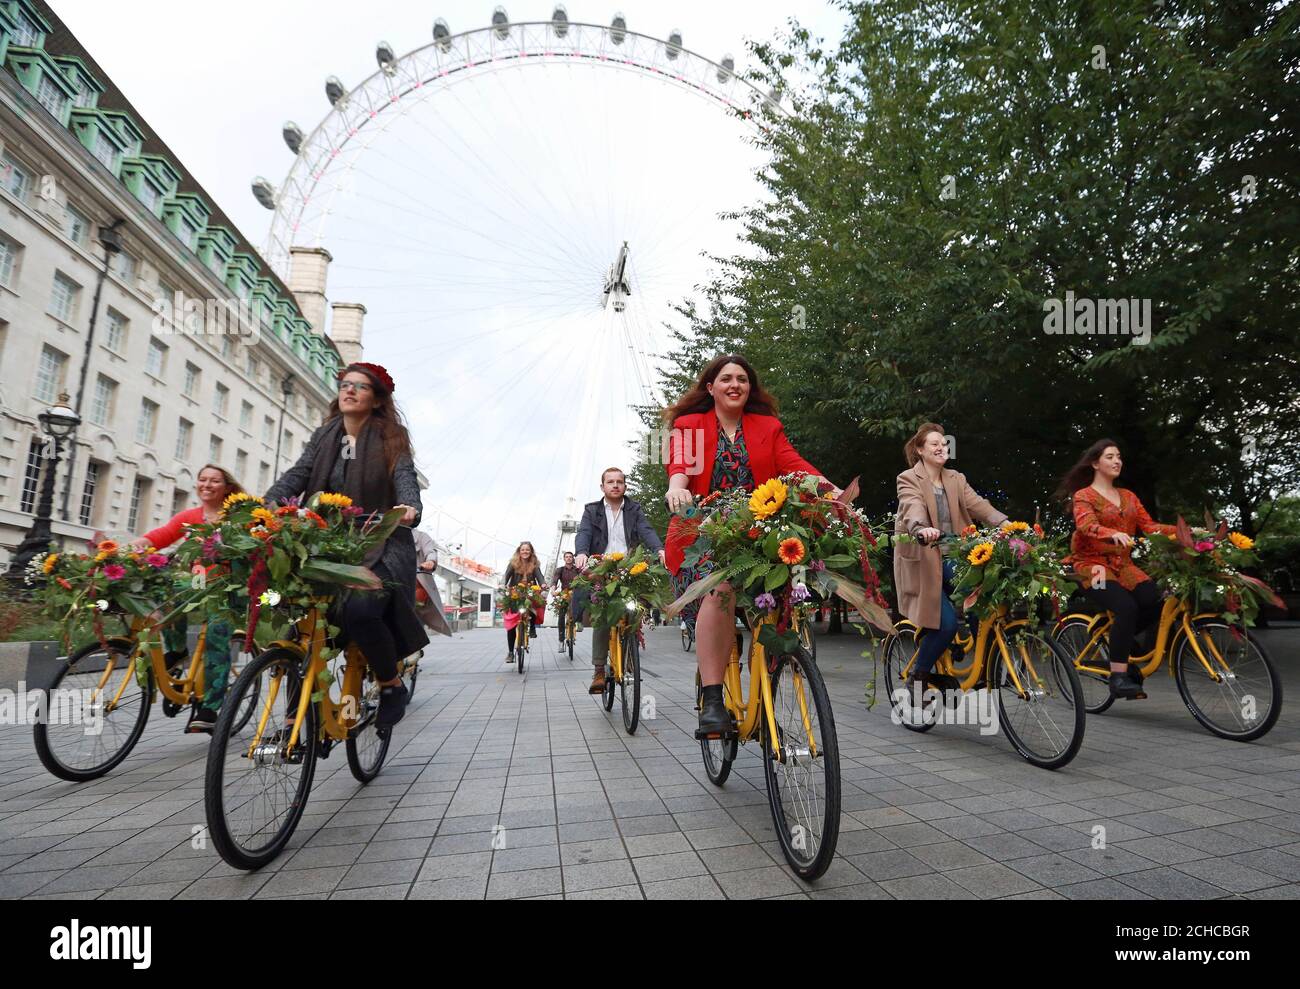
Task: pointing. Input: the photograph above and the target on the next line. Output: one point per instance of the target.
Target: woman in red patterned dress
(1106, 519)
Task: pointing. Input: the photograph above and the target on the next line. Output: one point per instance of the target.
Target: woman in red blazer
(724, 435)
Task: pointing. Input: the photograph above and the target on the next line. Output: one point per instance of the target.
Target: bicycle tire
(1187, 666)
(1097, 697)
(718, 754)
(366, 764)
(1064, 681)
(631, 681)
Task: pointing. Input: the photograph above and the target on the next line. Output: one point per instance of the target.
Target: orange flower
(320, 522)
(107, 546)
(791, 551)
(64, 583)
(970, 530)
(261, 532)
(1038, 530)
(754, 533)
(286, 510)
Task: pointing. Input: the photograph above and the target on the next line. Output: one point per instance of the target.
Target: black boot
(715, 719)
(1123, 685)
(392, 705)
(202, 721)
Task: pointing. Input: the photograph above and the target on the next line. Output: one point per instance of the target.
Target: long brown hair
(698, 399)
(517, 565)
(912, 448)
(232, 486)
(388, 417)
(1081, 474)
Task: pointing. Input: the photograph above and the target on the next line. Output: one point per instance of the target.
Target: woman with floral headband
(1106, 519)
(363, 450)
(215, 484)
(724, 435)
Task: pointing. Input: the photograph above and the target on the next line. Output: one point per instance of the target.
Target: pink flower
(1019, 547)
(1205, 545)
(156, 560)
(115, 571)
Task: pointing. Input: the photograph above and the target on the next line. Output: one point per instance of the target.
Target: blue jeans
(935, 641)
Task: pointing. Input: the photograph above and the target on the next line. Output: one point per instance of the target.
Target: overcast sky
(477, 227)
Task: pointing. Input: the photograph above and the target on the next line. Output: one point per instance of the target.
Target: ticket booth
(486, 609)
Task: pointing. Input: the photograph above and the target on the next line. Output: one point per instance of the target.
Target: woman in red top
(214, 486)
(725, 435)
(1106, 519)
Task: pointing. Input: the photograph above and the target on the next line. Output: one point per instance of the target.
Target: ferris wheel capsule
(442, 34)
(726, 68)
(335, 90)
(560, 20)
(618, 29)
(264, 192)
(674, 46)
(501, 21)
(293, 136)
(386, 57)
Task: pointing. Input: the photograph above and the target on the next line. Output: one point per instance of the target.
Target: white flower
(271, 598)
(101, 604)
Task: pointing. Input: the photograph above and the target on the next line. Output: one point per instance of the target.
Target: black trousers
(1134, 611)
(363, 620)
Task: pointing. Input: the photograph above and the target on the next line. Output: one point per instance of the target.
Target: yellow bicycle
(788, 710)
(256, 788)
(1030, 679)
(111, 687)
(1224, 675)
(570, 630)
(623, 669)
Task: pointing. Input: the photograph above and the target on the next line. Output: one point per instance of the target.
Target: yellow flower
(1240, 541)
(263, 516)
(237, 498)
(639, 568)
(534, 587)
(102, 555)
(980, 554)
(335, 500)
(1015, 526)
(615, 557)
(768, 498)
(50, 561)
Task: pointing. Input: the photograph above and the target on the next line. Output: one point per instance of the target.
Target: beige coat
(918, 569)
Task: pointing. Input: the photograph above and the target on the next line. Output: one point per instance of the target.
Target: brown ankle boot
(597, 682)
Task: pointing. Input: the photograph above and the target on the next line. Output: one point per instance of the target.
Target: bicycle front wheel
(96, 712)
(1040, 707)
(1246, 699)
(687, 638)
(803, 777)
(630, 684)
(255, 788)
(1073, 636)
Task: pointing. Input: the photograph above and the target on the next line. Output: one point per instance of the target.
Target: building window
(221, 400)
(14, 179)
(32, 475)
(26, 34)
(63, 299)
(87, 512)
(124, 266)
(180, 500)
(183, 435)
(50, 96)
(147, 424)
(185, 230)
(75, 224)
(139, 498)
(156, 362)
(214, 450)
(288, 445)
(217, 265)
(264, 477)
(268, 430)
(105, 152)
(147, 195)
(192, 377)
(246, 416)
(101, 405)
(49, 374)
(116, 340)
(241, 464)
(227, 346)
(9, 253)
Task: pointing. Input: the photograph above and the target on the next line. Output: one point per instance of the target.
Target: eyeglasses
(355, 386)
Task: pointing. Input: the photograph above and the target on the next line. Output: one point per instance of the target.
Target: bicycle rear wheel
(365, 746)
(90, 742)
(688, 639)
(1044, 718)
(630, 684)
(411, 673)
(718, 754)
(1247, 699)
(249, 703)
(521, 647)
(1073, 636)
(803, 778)
(255, 795)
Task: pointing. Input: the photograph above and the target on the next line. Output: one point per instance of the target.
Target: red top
(695, 437)
(1096, 519)
(169, 532)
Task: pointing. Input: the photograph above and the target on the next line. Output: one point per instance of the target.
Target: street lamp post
(286, 389)
(58, 423)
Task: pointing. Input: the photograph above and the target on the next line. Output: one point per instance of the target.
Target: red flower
(755, 533)
(1038, 530)
(792, 551)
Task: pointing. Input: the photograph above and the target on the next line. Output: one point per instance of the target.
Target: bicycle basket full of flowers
(1014, 565)
(1204, 567)
(780, 543)
(522, 598)
(621, 584)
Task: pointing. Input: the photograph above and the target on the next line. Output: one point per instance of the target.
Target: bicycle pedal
(941, 681)
(716, 736)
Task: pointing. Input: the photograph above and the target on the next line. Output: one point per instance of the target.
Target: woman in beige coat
(932, 502)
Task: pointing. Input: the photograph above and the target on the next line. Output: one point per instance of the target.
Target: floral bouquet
(281, 558)
(1013, 565)
(1204, 568)
(112, 580)
(621, 585)
(776, 542)
(521, 598)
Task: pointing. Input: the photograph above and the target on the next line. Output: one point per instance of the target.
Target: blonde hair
(517, 565)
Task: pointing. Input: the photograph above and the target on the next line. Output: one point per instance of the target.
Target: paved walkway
(590, 813)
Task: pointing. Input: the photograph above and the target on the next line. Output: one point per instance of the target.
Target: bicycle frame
(1176, 619)
(994, 630)
(759, 709)
(180, 692)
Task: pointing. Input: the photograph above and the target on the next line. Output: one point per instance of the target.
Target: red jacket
(694, 437)
(170, 532)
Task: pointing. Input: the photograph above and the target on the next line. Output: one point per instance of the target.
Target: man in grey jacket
(614, 524)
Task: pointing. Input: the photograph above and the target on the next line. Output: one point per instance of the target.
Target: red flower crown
(377, 371)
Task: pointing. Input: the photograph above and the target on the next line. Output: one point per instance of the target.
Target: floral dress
(730, 471)
(1096, 519)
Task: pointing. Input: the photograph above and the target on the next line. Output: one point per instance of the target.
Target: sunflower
(49, 564)
(238, 498)
(768, 498)
(615, 557)
(639, 568)
(1015, 526)
(980, 554)
(331, 500)
(791, 551)
(263, 516)
(1241, 541)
